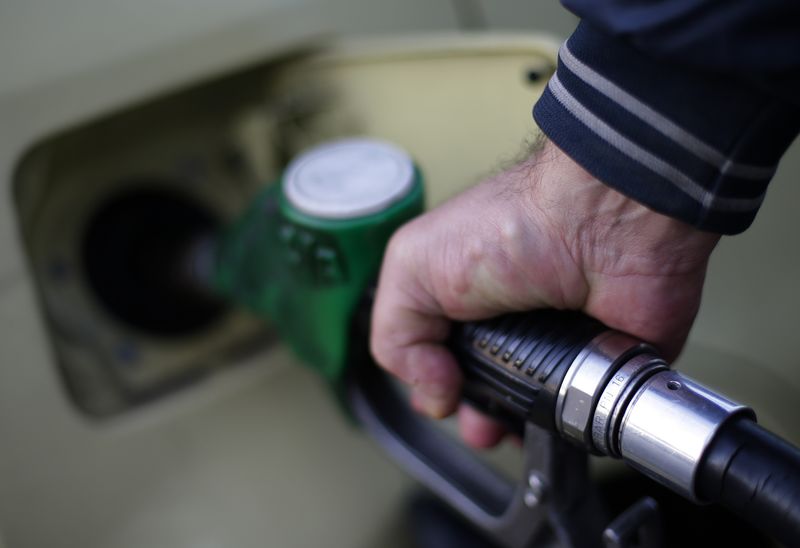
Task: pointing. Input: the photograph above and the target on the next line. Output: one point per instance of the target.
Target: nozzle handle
(514, 365)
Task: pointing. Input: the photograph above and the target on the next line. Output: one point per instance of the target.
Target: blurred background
(133, 417)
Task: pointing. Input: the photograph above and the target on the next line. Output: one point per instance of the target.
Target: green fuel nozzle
(306, 249)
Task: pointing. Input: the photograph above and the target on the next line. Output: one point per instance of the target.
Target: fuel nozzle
(303, 253)
(657, 420)
(605, 391)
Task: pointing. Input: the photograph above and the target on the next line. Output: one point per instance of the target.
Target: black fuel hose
(754, 474)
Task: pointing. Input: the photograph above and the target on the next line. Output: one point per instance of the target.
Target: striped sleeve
(692, 144)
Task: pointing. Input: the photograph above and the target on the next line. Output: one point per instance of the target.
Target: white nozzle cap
(348, 178)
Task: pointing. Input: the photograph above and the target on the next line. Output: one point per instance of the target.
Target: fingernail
(434, 407)
(436, 389)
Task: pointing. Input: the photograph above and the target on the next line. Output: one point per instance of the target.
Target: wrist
(601, 226)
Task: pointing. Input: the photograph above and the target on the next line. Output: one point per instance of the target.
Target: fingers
(464, 260)
(434, 377)
(428, 368)
(478, 430)
(408, 334)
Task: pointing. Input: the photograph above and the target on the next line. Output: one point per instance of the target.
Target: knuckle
(380, 352)
(400, 246)
(384, 349)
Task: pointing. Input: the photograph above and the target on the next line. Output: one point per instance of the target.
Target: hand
(542, 234)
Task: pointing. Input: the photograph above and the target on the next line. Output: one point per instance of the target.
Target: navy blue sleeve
(686, 106)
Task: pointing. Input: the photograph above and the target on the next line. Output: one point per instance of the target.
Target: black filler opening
(134, 250)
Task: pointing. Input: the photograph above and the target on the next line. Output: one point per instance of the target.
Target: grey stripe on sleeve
(652, 162)
(662, 124)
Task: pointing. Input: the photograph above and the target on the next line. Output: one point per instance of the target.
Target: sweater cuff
(693, 145)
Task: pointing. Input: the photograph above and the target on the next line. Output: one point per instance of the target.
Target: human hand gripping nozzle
(303, 257)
